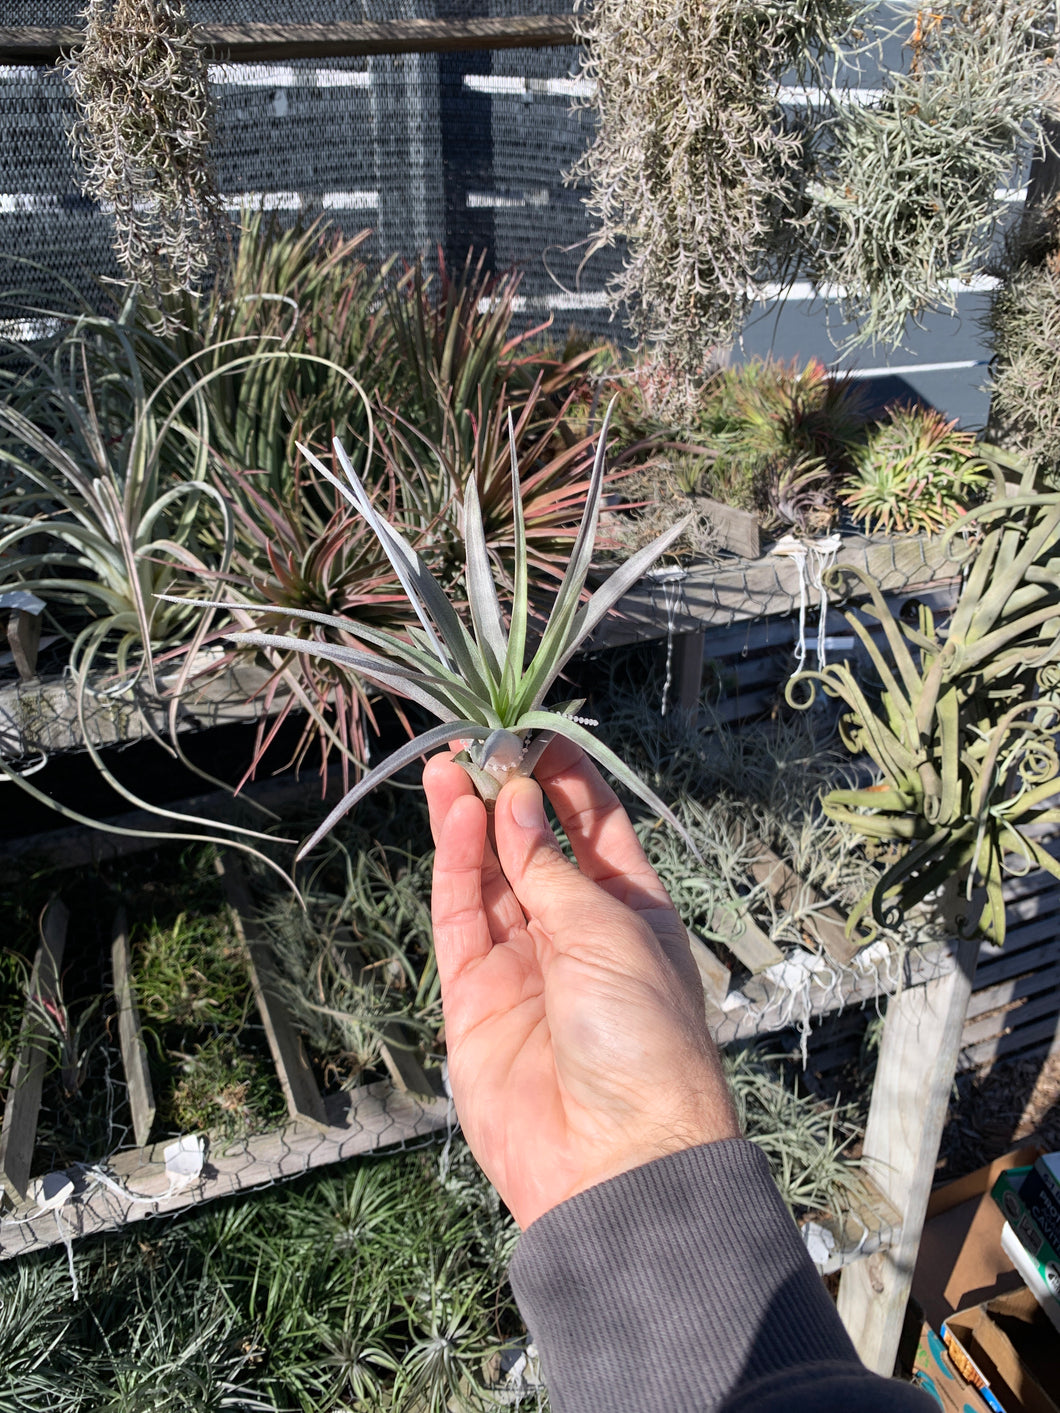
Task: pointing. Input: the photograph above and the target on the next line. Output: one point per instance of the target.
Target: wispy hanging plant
(1024, 320)
(909, 196)
(694, 166)
(143, 136)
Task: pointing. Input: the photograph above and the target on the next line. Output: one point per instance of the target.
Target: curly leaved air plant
(475, 680)
(965, 729)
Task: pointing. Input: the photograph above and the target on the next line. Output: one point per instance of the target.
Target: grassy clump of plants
(210, 1067)
(361, 959)
(378, 1285)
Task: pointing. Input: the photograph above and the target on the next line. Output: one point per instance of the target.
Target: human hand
(574, 1016)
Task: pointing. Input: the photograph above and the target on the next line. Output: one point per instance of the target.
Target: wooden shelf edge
(366, 1120)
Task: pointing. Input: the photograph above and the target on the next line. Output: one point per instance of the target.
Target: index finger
(598, 827)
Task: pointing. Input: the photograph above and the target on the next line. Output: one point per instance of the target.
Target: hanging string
(821, 558)
(671, 579)
(812, 558)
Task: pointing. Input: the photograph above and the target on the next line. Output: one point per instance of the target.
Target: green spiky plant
(916, 472)
(964, 728)
(477, 681)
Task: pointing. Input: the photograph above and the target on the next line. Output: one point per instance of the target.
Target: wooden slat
(1038, 1004)
(737, 531)
(23, 639)
(19, 1131)
(718, 597)
(688, 672)
(1039, 1039)
(873, 1225)
(1009, 971)
(296, 1078)
(400, 1042)
(910, 1099)
(265, 43)
(713, 972)
(736, 928)
(794, 895)
(130, 1034)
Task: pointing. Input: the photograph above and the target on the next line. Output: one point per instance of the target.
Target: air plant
(964, 727)
(143, 137)
(916, 472)
(475, 680)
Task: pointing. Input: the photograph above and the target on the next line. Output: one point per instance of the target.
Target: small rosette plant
(476, 680)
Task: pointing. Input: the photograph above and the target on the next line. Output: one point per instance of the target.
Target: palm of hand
(574, 1018)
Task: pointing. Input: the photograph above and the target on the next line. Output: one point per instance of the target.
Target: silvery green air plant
(474, 680)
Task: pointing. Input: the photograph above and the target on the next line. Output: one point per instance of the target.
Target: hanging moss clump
(143, 139)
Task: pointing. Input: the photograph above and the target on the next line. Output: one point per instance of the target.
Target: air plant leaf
(477, 683)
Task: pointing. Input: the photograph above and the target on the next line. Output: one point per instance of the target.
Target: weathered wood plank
(736, 928)
(1014, 975)
(23, 639)
(130, 1033)
(688, 672)
(292, 1067)
(910, 1098)
(794, 895)
(873, 1225)
(719, 597)
(1038, 1039)
(358, 1122)
(267, 43)
(19, 1130)
(1025, 1006)
(43, 716)
(771, 1005)
(713, 972)
(737, 531)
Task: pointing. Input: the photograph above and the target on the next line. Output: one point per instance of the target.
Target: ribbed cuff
(670, 1286)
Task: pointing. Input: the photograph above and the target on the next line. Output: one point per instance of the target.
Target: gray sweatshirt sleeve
(683, 1286)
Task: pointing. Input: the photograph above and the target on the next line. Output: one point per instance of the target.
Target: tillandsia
(964, 726)
(477, 681)
(143, 136)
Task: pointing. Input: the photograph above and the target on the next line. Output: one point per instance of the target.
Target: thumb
(548, 886)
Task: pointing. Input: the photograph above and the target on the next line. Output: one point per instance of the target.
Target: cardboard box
(933, 1371)
(1041, 1196)
(961, 1262)
(1009, 1194)
(1010, 1351)
(1032, 1275)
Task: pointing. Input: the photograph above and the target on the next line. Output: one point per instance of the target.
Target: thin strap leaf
(404, 755)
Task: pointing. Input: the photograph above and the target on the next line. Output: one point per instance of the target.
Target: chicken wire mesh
(133, 1184)
(432, 151)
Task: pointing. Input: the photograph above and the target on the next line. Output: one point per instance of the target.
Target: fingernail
(527, 807)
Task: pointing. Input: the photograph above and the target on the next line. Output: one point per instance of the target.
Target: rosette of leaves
(143, 136)
(299, 552)
(98, 506)
(915, 472)
(768, 422)
(478, 681)
(910, 190)
(963, 725)
(432, 472)
(311, 306)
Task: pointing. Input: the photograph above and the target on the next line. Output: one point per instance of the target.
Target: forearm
(684, 1286)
